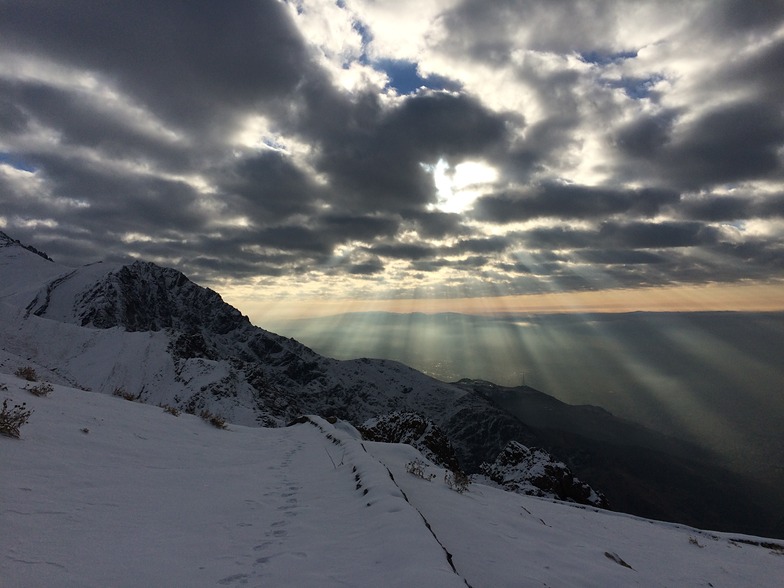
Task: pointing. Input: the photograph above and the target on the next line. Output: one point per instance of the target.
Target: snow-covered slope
(104, 492)
(148, 332)
(23, 271)
(158, 336)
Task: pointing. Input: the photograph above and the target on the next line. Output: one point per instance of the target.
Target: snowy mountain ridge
(149, 333)
(101, 322)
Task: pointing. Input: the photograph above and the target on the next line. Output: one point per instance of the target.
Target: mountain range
(150, 334)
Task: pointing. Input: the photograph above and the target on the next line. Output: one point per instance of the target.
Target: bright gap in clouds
(458, 187)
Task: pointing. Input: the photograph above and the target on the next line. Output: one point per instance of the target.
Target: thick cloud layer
(552, 144)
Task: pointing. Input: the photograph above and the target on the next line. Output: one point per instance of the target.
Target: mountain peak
(140, 296)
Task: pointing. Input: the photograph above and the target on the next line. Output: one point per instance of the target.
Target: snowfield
(100, 491)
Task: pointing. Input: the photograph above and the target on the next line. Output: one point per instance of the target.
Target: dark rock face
(535, 472)
(277, 379)
(145, 297)
(417, 431)
(189, 346)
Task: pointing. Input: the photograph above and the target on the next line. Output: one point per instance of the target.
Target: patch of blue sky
(403, 75)
(405, 78)
(365, 35)
(636, 88)
(274, 144)
(17, 162)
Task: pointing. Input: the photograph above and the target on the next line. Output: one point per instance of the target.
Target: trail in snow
(144, 498)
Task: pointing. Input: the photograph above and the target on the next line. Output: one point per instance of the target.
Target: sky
(310, 154)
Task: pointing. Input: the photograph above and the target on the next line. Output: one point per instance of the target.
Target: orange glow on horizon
(712, 297)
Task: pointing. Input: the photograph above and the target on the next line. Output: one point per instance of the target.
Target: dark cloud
(620, 256)
(559, 200)
(80, 120)
(723, 208)
(642, 235)
(215, 265)
(359, 228)
(739, 17)
(377, 166)
(727, 208)
(646, 136)
(760, 72)
(730, 143)
(366, 268)
(187, 60)
(108, 203)
(756, 254)
(436, 224)
(269, 187)
(430, 265)
(12, 118)
(120, 122)
(472, 264)
(481, 245)
(294, 237)
(615, 235)
(402, 251)
(534, 267)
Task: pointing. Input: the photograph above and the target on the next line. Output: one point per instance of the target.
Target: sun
(458, 187)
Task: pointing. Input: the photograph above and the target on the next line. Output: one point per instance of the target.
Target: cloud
(629, 235)
(187, 61)
(436, 224)
(725, 208)
(620, 256)
(731, 143)
(367, 268)
(269, 187)
(261, 141)
(402, 251)
(375, 164)
(558, 200)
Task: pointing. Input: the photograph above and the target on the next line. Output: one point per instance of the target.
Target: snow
(146, 498)
(100, 491)
(23, 273)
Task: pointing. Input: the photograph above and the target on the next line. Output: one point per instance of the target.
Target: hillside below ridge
(99, 491)
(199, 353)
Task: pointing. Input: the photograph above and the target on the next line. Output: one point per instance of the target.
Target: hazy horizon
(713, 378)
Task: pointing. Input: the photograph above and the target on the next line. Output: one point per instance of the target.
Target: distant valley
(149, 333)
(714, 379)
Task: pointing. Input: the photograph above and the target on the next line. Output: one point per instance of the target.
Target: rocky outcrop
(145, 297)
(536, 473)
(415, 430)
(216, 360)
